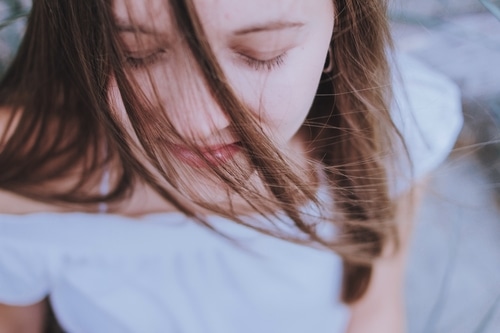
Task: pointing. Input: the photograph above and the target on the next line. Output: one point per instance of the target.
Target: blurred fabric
(453, 277)
(12, 23)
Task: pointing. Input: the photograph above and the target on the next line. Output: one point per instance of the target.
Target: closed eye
(145, 59)
(264, 65)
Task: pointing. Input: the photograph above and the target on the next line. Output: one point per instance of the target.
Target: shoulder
(11, 203)
(427, 112)
(425, 98)
(8, 120)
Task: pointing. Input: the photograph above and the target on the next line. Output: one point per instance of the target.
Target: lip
(214, 156)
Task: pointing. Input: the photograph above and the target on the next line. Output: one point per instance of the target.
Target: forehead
(224, 14)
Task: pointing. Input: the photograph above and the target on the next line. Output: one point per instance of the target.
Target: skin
(22, 319)
(382, 308)
(280, 91)
(273, 59)
(369, 314)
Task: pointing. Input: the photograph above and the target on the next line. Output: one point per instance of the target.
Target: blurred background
(453, 278)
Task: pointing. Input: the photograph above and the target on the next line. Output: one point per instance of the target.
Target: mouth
(212, 156)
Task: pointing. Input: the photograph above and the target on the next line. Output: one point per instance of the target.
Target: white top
(165, 273)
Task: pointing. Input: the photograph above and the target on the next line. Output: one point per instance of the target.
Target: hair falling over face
(96, 98)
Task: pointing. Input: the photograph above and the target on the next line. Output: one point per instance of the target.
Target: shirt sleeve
(427, 111)
(24, 277)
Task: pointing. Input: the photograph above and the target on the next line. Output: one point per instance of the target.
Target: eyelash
(138, 62)
(264, 65)
(258, 65)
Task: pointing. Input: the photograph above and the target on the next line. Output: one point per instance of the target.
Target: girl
(205, 166)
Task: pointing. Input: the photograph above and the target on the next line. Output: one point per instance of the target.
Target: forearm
(382, 308)
(388, 316)
(22, 319)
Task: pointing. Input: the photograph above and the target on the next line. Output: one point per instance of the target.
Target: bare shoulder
(8, 121)
(11, 203)
(6, 114)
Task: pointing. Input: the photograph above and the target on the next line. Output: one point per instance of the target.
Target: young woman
(205, 166)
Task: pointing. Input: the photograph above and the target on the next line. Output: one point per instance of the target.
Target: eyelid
(144, 58)
(260, 54)
(264, 64)
(143, 53)
(260, 57)
(139, 46)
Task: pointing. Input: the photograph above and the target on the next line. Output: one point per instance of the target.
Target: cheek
(283, 96)
(118, 110)
(288, 94)
(286, 107)
(145, 88)
(116, 103)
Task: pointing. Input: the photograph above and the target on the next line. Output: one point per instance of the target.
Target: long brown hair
(57, 92)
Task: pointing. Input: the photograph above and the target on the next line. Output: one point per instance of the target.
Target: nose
(199, 117)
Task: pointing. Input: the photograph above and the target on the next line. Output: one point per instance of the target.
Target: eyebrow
(268, 26)
(135, 28)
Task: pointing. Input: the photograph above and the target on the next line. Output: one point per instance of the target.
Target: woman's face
(272, 53)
